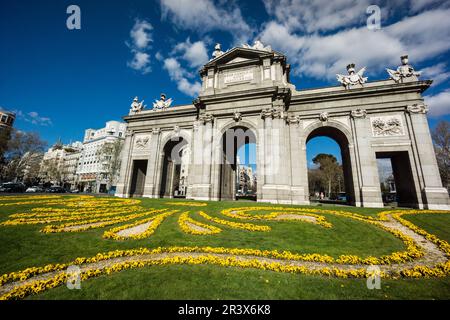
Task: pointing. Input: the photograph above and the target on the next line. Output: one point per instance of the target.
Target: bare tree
(110, 158)
(21, 154)
(51, 171)
(441, 138)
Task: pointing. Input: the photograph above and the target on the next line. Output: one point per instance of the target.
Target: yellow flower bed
(156, 221)
(235, 225)
(185, 222)
(242, 213)
(85, 212)
(187, 204)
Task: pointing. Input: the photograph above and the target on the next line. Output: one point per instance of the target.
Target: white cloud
(417, 5)
(141, 38)
(140, 34)
(159, 56)
(317, 15)
(179, 75)
(281, 39)
(34, 118)
(195, 53)
(140, 62)
(321, 56)
(437, 73)
(438, 104)
(205, 15)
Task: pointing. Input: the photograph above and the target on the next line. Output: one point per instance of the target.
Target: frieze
(387, 126)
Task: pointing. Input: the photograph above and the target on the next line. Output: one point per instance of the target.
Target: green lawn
(209, 282)
(437, 224)
(24, 246)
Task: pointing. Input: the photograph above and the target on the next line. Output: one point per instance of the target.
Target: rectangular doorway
(397, 178)
(138, 178)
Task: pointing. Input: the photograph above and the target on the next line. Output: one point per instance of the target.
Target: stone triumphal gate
(184, 150)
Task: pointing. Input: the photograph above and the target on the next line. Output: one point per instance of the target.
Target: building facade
(246, 92)
(92, 170)
(7, 119)
(72, 154)
(59, 164)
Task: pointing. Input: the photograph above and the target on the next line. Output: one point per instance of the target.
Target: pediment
(240, 55)
(237, 59)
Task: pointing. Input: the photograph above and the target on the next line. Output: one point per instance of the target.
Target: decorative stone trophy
(162, 103)
(353, 78)
(137, 106)
(258, 45)
(217, 51)
(404, 73)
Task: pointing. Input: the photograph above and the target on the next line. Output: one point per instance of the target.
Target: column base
(200, 192)
(436, 198)
(371, 197)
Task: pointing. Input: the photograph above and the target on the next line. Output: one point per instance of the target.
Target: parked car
(56, 190)
(342, 196)
(12, 187)
(35, 189)
(75, 191)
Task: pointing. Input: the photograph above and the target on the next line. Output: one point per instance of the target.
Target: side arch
(343, 136)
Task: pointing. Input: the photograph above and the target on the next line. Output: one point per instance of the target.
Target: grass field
(25, 246)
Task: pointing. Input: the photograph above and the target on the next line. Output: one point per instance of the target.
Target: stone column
(276, 188)
(150, 179)
(299, 169)
(122, 188)
(370, 190)
(202, 141)
(207, 149)
(436, 196)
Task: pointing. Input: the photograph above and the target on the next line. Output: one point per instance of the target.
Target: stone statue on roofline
(258, 45)
(217, 51)
(162, 103)
(137, 106)
(405, 72)
(353, 78)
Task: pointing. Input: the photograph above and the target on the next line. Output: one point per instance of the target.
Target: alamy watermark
(374, 278)
(73, 22)
(73, 277)
(374, 20)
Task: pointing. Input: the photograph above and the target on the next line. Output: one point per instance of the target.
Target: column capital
(274, 113)
(129, 133)
(417, 109)
(292, 119)
(206, 118)
(156, 130)
(358, 114)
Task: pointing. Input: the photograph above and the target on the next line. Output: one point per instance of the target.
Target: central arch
(338, 134)
(174, 170)
(234, 176)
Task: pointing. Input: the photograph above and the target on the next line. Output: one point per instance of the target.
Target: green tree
(330, 171)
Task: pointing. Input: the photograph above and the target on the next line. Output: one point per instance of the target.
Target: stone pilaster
(202, 157)
(299, 178)
(370, 192)
(276, 188)
(436, 196)
(150, 178)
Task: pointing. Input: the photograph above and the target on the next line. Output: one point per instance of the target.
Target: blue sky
(62, 81)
